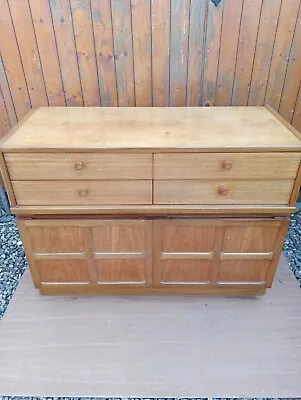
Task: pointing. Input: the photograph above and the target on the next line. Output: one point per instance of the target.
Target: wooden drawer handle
(227, 164)
(223, 190)
(79, 165)
(83, 192)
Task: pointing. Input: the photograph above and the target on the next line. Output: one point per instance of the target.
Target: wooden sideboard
(152, 200)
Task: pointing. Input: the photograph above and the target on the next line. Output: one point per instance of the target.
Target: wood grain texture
(84, 41)
(82, 192)
(176, 129)
(122, 272)
(213, 37)
(185, 272)
(119, 237)
(141, 31)
(12, 62)
(64, 36)
(250, 239)
(7, 182)
(293, 74)
(79, 166)
(4, 119)
(207, 192)
(63, 271)
(184, 237)
(42, 22)
(160, 20)
(277, 252)
(206, 166)
(30, 56)
(246, 51)
(187, 210)
(281, 52)
(264, 50)
(196, 51)
(104, 49)
(297, 112)
(6, 95)
(179, 33)
(242, 271)
(56, 239)
(122, 31)
(238, 289)
(228, 51)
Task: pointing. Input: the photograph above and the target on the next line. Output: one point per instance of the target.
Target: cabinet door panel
(119, 237)
(250, 239)
(121, 271)
(185, 271)
(183, 238)
(63, 271)
(242, 271)
(56, 239)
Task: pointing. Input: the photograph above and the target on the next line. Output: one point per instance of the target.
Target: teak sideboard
(152, 200)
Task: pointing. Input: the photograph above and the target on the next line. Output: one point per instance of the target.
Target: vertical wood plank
(297, 114)
(264, 49)
(4, 87)
(160, 11)
(29, 52)
(122, 31)
(84, 41)
(198, 14)
(12, 62)
(63, 30)
(141, 24)
(228, 52)
(293, 76)
(179, 31)
(283, 41)
(104, 49)
(246, 51)
(42, 22)
(213, 36)
(4, 119)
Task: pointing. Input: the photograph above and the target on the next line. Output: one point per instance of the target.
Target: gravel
(12, 261)
(292, 245)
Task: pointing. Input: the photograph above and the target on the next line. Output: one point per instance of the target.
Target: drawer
(222, 192)
(78, 166)
(82, 192)
(226, 165)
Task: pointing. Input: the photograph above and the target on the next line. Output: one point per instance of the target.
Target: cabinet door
(217, 251)
(88, 251)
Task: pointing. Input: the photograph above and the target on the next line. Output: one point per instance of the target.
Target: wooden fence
(149, 53)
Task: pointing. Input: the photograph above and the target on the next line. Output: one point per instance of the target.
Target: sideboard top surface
(152, 129)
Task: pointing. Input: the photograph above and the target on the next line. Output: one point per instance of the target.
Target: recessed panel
(242, 271)
(56, 239)
(121, 271)
(185, 271)
(63, 271)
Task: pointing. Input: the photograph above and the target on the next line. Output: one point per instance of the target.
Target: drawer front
(222, 192)
(226, 165)
(79, 166)
(82, 192)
